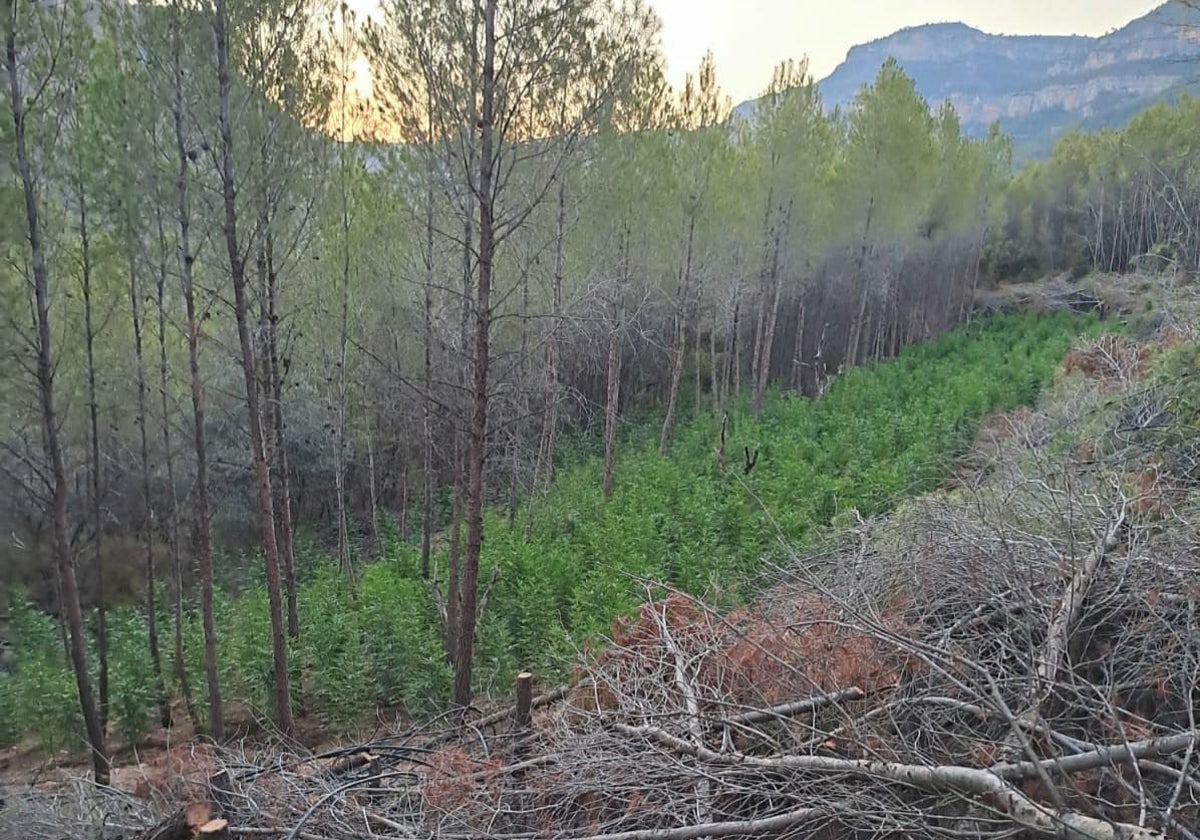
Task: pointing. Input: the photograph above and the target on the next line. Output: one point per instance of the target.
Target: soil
(170, 765)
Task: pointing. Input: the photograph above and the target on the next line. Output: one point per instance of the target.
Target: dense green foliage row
(568, 563)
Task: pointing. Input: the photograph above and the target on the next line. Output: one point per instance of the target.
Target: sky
(749, 37)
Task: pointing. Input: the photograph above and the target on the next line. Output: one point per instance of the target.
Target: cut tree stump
(524, 711)
(197, 820)
(215, 830)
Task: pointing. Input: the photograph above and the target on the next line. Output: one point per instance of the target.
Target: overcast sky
(749, 37)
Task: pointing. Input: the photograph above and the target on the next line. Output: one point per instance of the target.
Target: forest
(340, 406)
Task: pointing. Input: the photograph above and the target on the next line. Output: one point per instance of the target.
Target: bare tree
(180, 662)
(202, 534)
(70, 603)
(89, 332)
(148, 525)
(262, 473)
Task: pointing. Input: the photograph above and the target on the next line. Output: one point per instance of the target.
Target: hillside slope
(1037, 87)
(1013, 654)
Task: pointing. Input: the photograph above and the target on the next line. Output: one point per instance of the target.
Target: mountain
(1036, 86)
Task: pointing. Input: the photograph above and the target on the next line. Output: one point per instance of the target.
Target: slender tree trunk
(262, 472)
(820, 371)
(45, 379)
(768, 344)
(714, 372)
(612, 400)
(736, 359)
(458, 503)
(339, 461)
(968, 301)
(375, 534)
(697, 348)
(767, 276)
(180, 662)
(550, 419)
(768, 347)
(522, 409)
(726, 383)
(853, 347)
(458, 499)
(668, 428)
(202, 538)
(283, 479)
(404, 499)
(94, 466)
(477, 451)
(798, 349)
(427, 402)
(135, 306)
(454, 563)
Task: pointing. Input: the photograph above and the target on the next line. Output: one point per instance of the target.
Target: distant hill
(1037, 86)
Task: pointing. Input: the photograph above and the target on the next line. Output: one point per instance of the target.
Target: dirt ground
(168, 765)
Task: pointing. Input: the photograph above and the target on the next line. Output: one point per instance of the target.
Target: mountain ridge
(1037, 86)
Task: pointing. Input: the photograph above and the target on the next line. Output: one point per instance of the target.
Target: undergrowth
(569, 563)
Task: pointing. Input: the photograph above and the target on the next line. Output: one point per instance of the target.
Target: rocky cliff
(1036, 86)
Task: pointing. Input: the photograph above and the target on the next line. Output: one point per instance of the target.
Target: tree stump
(197, 820)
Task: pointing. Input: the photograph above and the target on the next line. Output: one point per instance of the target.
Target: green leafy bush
(41, 690)
(131, 691)
(10, 731)
(557, 575)
(400, 641)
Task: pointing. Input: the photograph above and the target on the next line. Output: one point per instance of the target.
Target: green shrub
(332, 649)
(46, 702)
(132, 695)
(10, 730)
(570, 562)
(41, 691)
(400, 639)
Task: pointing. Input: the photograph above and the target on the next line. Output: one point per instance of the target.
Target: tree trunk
(820, 370)
(798, 349)
(668, 427)
(403, 499)
(768, 343)
(339, 460)
(202, 536)
(522, 410)
(262, 472)
(45, 380)
(283, 480)
(735, 340)
(714, 373)
(164, 704)
(454, 561)
(968, 304)
(197, 820)
(371, 485)
(612, 401)
(852, 348)
(477, 451)
(427, 402)
(696, 348)
(180, 663)
(550, 419)
(94, 466)
(767, 276)
(458, 503)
